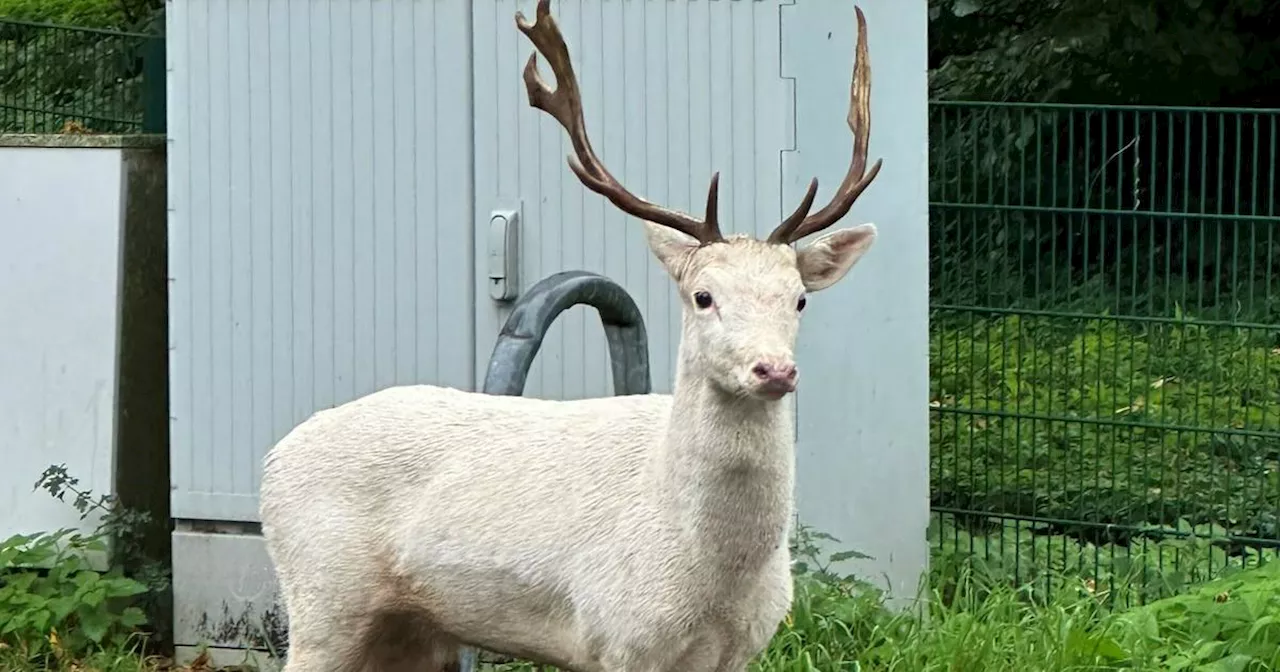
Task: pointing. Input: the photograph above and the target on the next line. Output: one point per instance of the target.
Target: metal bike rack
(526, 327)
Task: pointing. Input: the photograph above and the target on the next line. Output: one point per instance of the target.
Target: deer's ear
(829, 257)
(671, 247)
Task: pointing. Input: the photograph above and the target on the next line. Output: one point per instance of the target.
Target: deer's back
(479, 469)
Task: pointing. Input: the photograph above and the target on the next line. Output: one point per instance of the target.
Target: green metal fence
(1105, 343)
(106, 81)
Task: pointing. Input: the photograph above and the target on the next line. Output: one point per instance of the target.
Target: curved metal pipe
(533, 314)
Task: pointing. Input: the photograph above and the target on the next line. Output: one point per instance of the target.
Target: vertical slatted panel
(320, 179)
(672, 92)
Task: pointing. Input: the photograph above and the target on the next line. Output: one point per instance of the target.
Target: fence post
(154, 76)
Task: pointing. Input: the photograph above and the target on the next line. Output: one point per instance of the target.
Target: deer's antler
(801, 223)
(565, 104)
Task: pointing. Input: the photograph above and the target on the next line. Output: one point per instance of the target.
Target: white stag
(642, 533)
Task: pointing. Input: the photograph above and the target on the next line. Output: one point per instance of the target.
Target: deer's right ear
(671, 247)
(827, 259)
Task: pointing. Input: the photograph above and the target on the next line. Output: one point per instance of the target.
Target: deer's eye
(800, 304)
(702, 300)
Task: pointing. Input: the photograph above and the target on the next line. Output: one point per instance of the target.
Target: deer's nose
(775, 372)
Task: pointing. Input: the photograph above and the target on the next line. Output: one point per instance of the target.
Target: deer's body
(598, 553)
(628, 534)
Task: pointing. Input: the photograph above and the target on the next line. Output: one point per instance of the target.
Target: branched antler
(565, 104)
(801, 223)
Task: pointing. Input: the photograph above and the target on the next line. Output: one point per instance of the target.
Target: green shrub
(57, 611)
(55, 606)
(90, 13)
(1022, 554)
(1234, 623)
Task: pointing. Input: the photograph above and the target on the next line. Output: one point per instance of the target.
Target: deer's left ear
(828, 258)
(671, 247)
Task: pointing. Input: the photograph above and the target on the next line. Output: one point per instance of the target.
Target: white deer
(643, 533)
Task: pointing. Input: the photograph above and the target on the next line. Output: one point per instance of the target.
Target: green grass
(119, 659)
(1082, 441)
(972, 620)
(972, 616)
(974, 623)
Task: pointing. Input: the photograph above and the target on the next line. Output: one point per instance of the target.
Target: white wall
(59, 289)
(319, 238)
(862, 419)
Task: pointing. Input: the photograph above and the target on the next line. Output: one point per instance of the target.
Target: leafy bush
(90, 13)
(1234, 622)
(1043, 563)
(55, 605)
(57, 611)
(126, 528)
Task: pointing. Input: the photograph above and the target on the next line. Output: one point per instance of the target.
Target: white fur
(626, 534)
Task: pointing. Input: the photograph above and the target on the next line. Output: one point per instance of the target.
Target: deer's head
(742, 296)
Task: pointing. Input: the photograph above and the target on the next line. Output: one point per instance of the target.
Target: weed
(56, 610)
(55, 606)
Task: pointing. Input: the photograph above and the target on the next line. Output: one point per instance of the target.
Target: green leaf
(963, 8)
(1110, 649)
(93, 598)
(1234, 663)
(93, 623)
(123, 587)
(62, 608)
(1144, 623)
(8, 626)
(40, 620)
(132, 617)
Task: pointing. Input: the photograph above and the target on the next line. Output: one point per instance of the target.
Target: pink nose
(780, 375)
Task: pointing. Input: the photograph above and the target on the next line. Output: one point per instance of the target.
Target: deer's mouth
(773, 390)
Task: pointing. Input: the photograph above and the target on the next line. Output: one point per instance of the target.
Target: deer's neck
(726, 473)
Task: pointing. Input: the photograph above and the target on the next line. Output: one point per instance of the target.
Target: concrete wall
(82, 315)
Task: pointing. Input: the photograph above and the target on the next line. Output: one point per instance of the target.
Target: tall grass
(969, 620)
